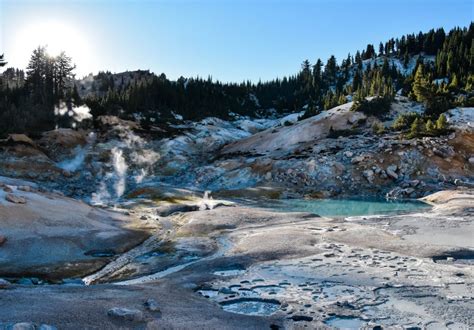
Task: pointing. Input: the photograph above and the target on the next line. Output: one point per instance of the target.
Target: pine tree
(442, 123)
(2, 60)
(416, 128)
(330, 70)
(430, 127)
(421, 86)
(358, 60)
(356, 81)
(454, 84)
(63, 74)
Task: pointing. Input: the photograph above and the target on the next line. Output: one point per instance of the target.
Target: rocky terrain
(116, 227)
(267, 269)
(286, 156)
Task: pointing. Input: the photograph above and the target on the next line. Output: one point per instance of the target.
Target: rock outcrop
(50, 236)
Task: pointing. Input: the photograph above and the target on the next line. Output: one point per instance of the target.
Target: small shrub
(404, 120)
(417, 128)
(430, 127)
(378, 106)
(442, 124)
(378, 128)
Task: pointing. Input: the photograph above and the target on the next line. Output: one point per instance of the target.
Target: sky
(230, 40)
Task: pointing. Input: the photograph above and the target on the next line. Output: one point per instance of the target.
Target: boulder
(357, 159)
(391, 174)
(369, 175)
(395, 193)
(4, 284)
(414, 183)
(152, 305)
(24, 188)
(23, 326)
(62, 143)
(471, 160)
(444, 152)
(125, 314)
(348, 154)
(391, 171)
(166, 210)
(392, 167)
(15, 199)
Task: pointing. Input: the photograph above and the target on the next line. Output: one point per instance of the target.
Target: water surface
(341, 207)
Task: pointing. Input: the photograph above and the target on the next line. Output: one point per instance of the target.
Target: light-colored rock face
(287, 138)
(55, 237)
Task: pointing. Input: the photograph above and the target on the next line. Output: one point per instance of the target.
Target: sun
(56, 36)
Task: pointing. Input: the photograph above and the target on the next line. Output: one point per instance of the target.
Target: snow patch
(461, 118)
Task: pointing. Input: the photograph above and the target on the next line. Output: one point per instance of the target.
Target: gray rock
(47, 327)
(15, 199)
(444, 152)
(348, 154)
(357, 159)
(369, 175)
(471, 160)
(167, 210)
(125, 314)
(152, 305)
(392, 167)
(391, 174)
(24, 188)
(395, 193)
(23, 326)
(4, 284)
(409, 191)
(414, 183)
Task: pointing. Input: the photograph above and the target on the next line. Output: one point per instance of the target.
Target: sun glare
(57, 37)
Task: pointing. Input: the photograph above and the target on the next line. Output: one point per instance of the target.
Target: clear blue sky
(230, 40)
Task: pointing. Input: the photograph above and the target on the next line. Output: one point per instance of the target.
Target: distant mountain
(445, 62)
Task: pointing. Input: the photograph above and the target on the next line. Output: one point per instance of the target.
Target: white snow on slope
(461, 118)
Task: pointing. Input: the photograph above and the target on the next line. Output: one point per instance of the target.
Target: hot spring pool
(341, 207)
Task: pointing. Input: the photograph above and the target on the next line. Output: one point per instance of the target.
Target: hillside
(435, 68)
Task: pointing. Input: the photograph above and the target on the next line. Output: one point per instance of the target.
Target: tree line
(435, 67)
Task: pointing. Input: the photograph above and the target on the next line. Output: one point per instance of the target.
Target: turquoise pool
(342, 207)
